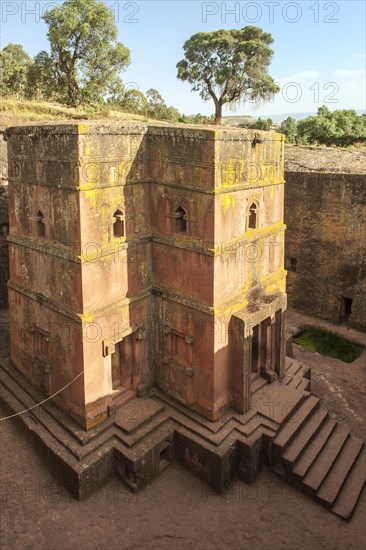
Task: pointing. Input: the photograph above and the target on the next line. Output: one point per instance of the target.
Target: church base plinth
(145, 434)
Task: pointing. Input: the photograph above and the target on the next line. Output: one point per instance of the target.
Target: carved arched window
(118, 224)
(41, 230)
(180, 220)
(253, 216)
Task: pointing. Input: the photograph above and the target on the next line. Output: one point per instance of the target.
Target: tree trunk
(73, 89)
(218, 112)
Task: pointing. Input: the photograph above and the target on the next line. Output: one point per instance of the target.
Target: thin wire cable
(44, 401)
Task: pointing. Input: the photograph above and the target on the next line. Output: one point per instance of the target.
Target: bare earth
(178, 510)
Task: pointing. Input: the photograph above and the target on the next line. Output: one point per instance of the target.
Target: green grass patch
(328, 343)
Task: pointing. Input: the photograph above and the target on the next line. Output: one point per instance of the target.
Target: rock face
(325, 215)
(146, 255)
(4, 223)
(4, 249)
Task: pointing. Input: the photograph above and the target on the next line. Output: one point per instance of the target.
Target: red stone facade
(144, 256)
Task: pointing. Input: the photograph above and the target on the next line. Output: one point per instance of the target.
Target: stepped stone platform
(285, 428)
(320, 457)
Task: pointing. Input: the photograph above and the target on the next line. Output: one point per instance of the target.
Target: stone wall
(325, 215)
(4, 223)
(4, 249)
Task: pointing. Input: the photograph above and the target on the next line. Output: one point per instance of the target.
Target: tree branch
(211, 91)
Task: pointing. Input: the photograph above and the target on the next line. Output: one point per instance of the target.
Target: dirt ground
(179, 511)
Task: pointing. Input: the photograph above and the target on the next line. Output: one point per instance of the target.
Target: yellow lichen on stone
(82, 129)
(228, 201)
(87, 317)
(228, 173)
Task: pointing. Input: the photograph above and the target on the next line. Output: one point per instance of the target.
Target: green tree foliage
(341, 128)
(82, 35)
(152, 104)
(157, 107)
(116, 92)
(261, 124)
(133, 101)
(172, 114)
(289, 128)
(156, 103)
(202, 119)
(43, 82)
(14, 65)
(229, 66)
(197, 119)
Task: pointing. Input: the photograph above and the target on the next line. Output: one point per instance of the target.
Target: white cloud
(301, 75)
(348, 72)
(307, 74)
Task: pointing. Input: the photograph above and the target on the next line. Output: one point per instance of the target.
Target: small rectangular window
(41, 343)
(118, 224)
(180, 220)
(252, 216)
(178, 348)
(41, 230)
(293, 264)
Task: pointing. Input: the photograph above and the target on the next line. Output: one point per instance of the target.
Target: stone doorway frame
(273, 317)
(133, 337)
(265, 347)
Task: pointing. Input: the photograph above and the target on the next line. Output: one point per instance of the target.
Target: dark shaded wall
(4, 249)
(4, 223)
(325, 214)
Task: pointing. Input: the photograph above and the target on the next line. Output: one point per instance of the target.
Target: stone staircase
(320, 457)
(285, 428)
(296, 376)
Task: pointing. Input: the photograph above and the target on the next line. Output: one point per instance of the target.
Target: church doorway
(266, 347)
(346, 309)
(126, 363)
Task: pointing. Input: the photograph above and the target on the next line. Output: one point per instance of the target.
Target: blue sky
(319, 46)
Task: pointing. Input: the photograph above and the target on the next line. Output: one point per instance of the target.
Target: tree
(261, 124)
(43, 82)
(172, 114)
(157, 107)
(116, 92)
(196, 119)
(14, 64)
(342, 128)
(289, 128)
(201, 119)
(229, 66)
(133, 101)
(156, 103)
(82, 35)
